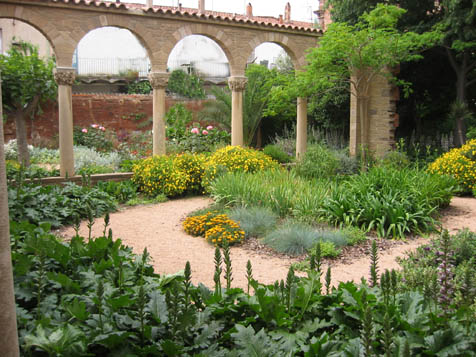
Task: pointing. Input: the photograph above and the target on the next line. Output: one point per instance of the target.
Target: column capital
(159, 80)
(237, 83)
(64, 76)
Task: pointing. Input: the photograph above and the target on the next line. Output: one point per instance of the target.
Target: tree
(459, 27)
(27, 81)
(8, 321)
(351, 56)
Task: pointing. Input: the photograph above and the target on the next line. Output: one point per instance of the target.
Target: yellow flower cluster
(198, 225)
(459, 163)
(217, 228)
(194, 166)
(236, 158)
(158, 175)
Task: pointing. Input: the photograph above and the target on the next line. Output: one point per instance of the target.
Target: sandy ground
(159, 229)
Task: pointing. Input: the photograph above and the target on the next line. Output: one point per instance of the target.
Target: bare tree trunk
(8, 320)
(22, 142)
(460, 125)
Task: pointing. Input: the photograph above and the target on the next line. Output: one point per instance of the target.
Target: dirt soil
(159, 229)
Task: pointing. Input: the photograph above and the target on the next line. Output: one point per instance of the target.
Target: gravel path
(159, 229)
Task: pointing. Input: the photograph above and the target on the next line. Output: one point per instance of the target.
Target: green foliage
(57, 205)
(421, 269)
(95, 137)
(393, 202)
(321, 162)
(142, 87)
(25, 76)
(265, 101)
(186, 85)
(122, 191)
(318, 162)
(176, 120)
(255, 221)
(283, 192)
(277, 154)
(395, 159)
(181, 83)
(96, 297)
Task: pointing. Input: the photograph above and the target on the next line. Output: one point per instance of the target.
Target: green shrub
(354, 235)
(236, 159)
(395, 159)
(277, 153)
(393, 202)
(159, 175)
(255, 221)
(57, 205)
(292, 239)
(424, 270)
(122, 191)
(460, 163)
(318, 162)
(95, 137)
(328, 249)
(337, 238)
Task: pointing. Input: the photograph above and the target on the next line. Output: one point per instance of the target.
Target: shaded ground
(159, 229)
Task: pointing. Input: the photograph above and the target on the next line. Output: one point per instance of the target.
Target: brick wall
(120, 113)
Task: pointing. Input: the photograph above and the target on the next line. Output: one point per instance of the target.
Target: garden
(97, 291)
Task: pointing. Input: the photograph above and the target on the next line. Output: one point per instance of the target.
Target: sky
(120, 43)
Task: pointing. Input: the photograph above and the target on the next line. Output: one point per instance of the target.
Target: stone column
(301, 130)
(64, 76)
(158, 81)
(237, 85)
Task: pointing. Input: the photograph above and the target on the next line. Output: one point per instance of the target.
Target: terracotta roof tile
(183, 11)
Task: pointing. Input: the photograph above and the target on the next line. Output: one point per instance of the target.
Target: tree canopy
(27, 80)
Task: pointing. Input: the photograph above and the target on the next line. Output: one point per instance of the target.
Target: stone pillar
(8, 318)
(64, 76)
(158, 81)
(301, 130)
(237, 85)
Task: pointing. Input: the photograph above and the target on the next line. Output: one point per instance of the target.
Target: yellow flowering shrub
(198, 225)
(194, 166)
(158, 175)
(217, 228)
(236, 158)
(459, 163)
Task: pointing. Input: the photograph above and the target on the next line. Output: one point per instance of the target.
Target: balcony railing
(141, 66)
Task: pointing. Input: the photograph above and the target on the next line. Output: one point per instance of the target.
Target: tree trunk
(362, 103)
(460, 125)
(461, 70)
(22, 142)
(8, 320)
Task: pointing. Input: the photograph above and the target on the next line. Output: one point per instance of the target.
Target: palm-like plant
(255, 100)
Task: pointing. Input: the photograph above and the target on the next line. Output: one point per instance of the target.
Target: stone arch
(28, 17)
(144, 37)
(211, 32)
(282, 40)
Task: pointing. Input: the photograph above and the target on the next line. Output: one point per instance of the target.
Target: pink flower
(204, 132)
(194, 131)
(209, 127)
(95, 126)
(102, 128)
(84, 130)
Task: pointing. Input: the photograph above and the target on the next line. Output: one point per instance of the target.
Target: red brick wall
(116, 112)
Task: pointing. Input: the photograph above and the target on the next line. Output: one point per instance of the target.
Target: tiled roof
(215, 15)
